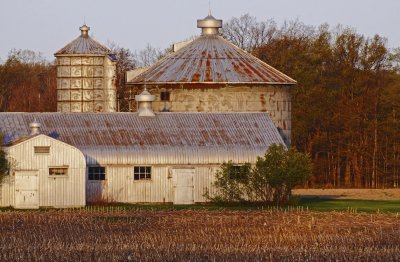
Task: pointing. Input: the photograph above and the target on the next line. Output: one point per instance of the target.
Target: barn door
(26, 189)
(183, 186)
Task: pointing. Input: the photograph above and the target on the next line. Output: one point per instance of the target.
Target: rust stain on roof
(170, 130)
(211, 59)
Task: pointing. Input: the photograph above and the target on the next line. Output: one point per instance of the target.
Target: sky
(48, 25)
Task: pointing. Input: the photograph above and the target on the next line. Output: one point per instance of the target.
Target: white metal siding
(172, 156)
(203, 179)
(60, 191)
(120, 186)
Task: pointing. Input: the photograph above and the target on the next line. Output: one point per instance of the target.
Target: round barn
(210, 74)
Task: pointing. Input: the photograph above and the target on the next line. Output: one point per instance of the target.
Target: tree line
(344, 107)
(346, 103)
(28, 81)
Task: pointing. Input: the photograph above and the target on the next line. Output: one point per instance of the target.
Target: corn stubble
(107, 234)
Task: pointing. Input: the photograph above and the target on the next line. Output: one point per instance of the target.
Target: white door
(183, 186)
(26, 189)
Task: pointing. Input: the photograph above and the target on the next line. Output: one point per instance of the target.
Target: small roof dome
(144, 101)
(35, 124)
(84, 30)
(209, 25)
(145, 96)
(35, 127)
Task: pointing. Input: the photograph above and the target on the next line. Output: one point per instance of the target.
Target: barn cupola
(145, 100)
(84, 30)
(35, 128)
(209, 25)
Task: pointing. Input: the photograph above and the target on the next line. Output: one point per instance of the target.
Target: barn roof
(83, 44)
(183, 137)
(211, 59)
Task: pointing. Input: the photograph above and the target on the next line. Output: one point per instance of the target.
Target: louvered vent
(42, 149)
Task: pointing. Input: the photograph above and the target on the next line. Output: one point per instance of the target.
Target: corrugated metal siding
(83, 45)
(203, 179)
(211, 59)
(7, 192)
(168, 138)
(120, 186)
(55, 192)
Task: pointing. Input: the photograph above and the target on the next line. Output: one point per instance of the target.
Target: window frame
(41, 147)
(148, 170)
(99, 174)
(58, 167)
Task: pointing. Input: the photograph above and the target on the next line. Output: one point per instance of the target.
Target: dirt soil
(105, 234)
(366, 194)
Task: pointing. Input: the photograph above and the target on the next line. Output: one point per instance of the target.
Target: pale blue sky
(48, 25)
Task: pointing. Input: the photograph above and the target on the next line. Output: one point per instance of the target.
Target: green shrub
(4, 166)
(231, 182)
(271, 180)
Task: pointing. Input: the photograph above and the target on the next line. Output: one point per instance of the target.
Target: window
(58, 171)
(142, 173)
(97, 173)
(164, 95)
(42, 149)
(238, 172)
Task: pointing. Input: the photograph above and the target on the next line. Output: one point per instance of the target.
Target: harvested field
(110, 234)
(366, 194)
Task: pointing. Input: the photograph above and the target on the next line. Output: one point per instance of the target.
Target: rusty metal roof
(211, 59)
(106, 136)
(83, 44)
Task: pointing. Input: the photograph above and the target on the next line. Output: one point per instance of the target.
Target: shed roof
(211, 59)
(103, 137)
(83, 44)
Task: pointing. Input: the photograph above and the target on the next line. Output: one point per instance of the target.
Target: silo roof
(83, 44)
(211, 59)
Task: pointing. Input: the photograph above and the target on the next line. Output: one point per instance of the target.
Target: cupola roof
(83, 44)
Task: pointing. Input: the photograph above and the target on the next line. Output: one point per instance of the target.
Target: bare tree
(126, 61)
(148, 56)
(247, 33)
(27, 56)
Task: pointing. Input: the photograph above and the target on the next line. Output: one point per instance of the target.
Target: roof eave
(57, 55)
(211, 83)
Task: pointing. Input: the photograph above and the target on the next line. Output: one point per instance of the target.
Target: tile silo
(86, 72)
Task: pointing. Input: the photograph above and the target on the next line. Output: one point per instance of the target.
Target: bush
(231, 182)
(271, 180)
(4, 166)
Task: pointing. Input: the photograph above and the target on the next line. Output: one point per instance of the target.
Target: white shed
(45, 172)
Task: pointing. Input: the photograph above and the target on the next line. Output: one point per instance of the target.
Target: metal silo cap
(145, 96)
